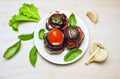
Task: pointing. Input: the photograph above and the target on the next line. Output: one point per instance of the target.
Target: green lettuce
(28, 12)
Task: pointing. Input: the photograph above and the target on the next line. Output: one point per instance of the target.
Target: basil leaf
(25, 37)
(12, 50)
(57, 20)
(41, 33)
(33, 55)
(72, 54)
(72, 20)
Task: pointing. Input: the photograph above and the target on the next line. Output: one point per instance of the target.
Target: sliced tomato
(55, 36)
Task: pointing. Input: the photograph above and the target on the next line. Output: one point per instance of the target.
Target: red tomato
(55, 36)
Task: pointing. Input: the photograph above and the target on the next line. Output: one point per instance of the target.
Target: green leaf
(12, 50)
(41, 33)
(13, 23)
(30, 11)
(23, 18)
(57, 20)
(72, 20)
(25, 37)
(33, 56)
(72, 54)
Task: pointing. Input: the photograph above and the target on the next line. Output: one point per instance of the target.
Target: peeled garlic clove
(98, 53)
(92, 15)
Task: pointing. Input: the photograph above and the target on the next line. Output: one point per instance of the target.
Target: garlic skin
(92, 15)
(101, 55)
(98, 53)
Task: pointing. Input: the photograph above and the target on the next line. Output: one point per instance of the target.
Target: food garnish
(92, 15)
(25, 37)
(12, 50)
(72, 20)
(33, 56)
(72, 54)
(28, 12)
(41, 33)
(98, 53)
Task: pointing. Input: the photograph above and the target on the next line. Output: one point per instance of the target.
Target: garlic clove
(101, 55)
(92, 58)
(98, 53)
(94, 46)
(92, 15)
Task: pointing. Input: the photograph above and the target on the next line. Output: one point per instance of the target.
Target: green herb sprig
(33, 56)
(72, 20)
(25, 37)
(41, 33)
(12, 50)
(72, 54)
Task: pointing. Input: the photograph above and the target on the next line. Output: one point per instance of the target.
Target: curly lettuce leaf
(26, 13)
(21, 18)
(16, 19)
(13, 23)
(29, 10)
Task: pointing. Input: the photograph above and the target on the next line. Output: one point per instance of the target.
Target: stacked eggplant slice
(61, 34)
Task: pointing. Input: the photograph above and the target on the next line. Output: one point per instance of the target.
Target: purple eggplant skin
(52, 47)
(72, 34)
(56, 21)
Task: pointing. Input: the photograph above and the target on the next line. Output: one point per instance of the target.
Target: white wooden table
(106, 31)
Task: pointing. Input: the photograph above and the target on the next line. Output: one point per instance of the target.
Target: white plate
(59, 58)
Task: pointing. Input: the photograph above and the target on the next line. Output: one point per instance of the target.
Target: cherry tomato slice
(55, 36)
